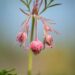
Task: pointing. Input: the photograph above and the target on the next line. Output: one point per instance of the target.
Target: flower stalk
(30, 52)
(30, 63)
(35, 45)
(32, 29)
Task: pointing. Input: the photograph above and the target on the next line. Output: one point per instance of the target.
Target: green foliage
(53, 5)
(30, 2)
(50, 2)
(7, 72)
(23, 11)
(45, 3)
(26, 3)
(48, 5)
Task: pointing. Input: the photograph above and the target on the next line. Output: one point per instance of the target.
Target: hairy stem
(30, 63)
(36, 35)
(32, 29)
(30, 52)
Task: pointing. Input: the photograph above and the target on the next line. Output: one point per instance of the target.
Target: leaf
(44, 7)
(30, 2)
(40, 3)
(50, 2)
(11, 70)
(7, 72)
(25, 4)
(49, 7)
(23, 11)
(42, 11)
(53, 5)
(27, 1)
(45, 3)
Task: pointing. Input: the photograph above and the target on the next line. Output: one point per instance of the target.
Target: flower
(36, 46)
(21, 37)
(34, 12)
(49, 40)
(25, 25)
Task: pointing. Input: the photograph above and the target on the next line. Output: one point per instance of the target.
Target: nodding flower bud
(36, 46)
(47, 28)
(49, 40)
(21, 37)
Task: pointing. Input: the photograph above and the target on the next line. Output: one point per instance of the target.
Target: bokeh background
(57, 61)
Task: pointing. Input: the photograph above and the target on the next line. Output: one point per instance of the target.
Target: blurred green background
(57, 61)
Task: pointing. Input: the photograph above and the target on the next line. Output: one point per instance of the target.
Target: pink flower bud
(21, 37)
(47, 28)
(49, 40)
(36, 46)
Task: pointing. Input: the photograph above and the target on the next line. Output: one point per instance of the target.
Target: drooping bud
(47, 28)
(49, 40)
(36, 46)
(21, 37)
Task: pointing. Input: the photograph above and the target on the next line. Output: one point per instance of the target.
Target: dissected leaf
(45, 4)
(50, 2)
(30, 1)
(23, 11)
(53, 5)
(49, 7)
(27, 1)
(42, 10)
(26, 4)
(45, 1)
(40, 3)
